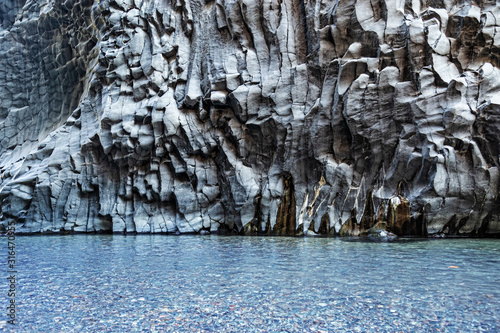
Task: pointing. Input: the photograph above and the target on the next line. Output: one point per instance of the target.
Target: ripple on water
(256, 284)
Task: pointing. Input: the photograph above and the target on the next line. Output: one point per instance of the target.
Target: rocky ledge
(276, 117)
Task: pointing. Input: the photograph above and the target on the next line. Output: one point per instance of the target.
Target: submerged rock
(255, 117)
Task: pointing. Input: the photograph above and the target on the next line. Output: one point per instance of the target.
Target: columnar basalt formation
(281, 117)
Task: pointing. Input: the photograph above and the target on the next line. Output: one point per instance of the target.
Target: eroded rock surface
(242, 116)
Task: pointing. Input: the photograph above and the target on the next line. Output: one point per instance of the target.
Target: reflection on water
(265, 284)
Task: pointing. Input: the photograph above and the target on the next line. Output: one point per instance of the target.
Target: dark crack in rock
(250, 117)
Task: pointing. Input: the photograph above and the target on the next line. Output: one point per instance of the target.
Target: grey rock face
(242, 116)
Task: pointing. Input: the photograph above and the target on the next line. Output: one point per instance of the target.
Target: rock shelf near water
(282, 117)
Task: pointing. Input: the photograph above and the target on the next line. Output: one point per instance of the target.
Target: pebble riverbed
(116, 283)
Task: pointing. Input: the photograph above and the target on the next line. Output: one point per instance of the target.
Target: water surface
(88, 283)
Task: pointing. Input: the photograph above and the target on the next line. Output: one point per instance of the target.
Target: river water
(90, 283)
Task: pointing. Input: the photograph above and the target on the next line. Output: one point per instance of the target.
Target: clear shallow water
(263, 284)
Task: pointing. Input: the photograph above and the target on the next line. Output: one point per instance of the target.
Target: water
(263, 284)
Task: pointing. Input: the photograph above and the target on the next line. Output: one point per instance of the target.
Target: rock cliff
(250, 116)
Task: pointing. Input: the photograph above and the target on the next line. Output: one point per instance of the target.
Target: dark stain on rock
(324, 227)
(368, 219)
(398, 214)
(285, 220)
(350, 227)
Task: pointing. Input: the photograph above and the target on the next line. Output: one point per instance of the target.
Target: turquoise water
(254, 284)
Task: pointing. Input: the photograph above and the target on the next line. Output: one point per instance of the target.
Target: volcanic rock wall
(250, 116)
